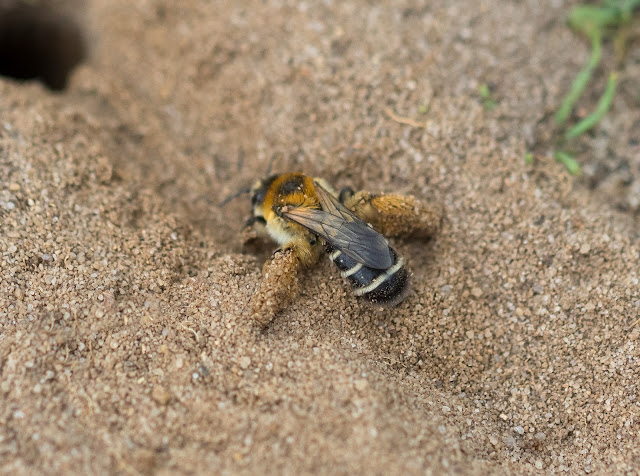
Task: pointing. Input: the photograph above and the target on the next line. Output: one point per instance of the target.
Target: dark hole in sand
(36, 42)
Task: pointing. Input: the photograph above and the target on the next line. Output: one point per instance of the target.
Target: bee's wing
(332, 205)
(342, 229)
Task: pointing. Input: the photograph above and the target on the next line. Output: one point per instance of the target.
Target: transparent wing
(343, 230)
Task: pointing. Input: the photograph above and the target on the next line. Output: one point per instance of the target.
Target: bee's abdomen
(384, 287)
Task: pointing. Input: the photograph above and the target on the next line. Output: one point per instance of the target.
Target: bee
(307, 218)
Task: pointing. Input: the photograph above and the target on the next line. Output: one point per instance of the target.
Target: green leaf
(528, 158)
(568, 161)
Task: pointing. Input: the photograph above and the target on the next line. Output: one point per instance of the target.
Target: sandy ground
(124, 342)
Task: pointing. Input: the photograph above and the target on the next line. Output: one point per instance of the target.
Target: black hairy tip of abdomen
(381, 287)
(392, 291)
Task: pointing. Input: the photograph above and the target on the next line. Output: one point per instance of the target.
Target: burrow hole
(38, 42)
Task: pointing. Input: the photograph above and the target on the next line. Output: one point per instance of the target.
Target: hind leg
(394, 215)
(279, 286)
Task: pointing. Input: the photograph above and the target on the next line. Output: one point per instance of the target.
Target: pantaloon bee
(306, 217)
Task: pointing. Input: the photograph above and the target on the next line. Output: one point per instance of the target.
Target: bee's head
(259, 194)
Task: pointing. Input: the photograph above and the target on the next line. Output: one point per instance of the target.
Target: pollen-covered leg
(279, 286)
(394, 215)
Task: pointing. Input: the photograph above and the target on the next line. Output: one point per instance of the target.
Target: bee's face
(258, 195)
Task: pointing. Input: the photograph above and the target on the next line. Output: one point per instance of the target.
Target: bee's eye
(258, 197)
(261, 220)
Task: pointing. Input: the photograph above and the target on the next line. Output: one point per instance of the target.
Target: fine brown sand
(124, 291)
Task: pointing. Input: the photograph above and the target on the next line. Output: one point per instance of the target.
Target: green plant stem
(601, 109)
(581, 81)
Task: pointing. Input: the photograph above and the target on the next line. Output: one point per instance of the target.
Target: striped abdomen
(383, 287)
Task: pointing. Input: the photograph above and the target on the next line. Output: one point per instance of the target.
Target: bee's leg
(279, 286)
(254, 235)
(252, 230)
(394, 215)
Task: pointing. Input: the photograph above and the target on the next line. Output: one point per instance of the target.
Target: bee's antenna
(234, 195)
(271, 161)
